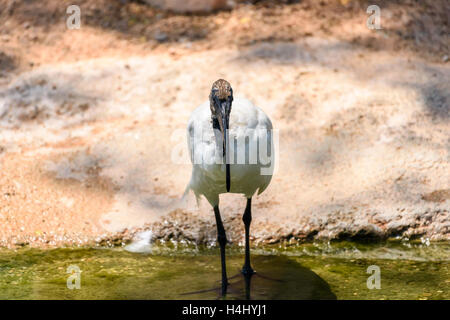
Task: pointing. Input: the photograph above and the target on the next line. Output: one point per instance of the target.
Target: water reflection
(311, 271)
(277, 278)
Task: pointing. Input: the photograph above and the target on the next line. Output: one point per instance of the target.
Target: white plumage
(208, 177)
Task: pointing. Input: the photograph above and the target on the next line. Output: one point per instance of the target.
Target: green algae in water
(310, 271)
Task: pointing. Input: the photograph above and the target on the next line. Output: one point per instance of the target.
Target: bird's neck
(216, 127)
(215, 123)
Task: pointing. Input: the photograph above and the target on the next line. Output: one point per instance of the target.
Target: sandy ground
(92, 140)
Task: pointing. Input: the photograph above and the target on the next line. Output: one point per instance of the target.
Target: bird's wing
(199, 123)
(255, 122)
(202, 150)
(266, 132)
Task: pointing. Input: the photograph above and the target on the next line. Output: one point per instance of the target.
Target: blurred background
(93, 147)
(91, 116)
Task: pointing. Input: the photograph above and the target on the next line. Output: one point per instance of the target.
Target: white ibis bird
(226, 140)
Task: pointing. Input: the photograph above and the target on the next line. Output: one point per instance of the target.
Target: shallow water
(308, 271)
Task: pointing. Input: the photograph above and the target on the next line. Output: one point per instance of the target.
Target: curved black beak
(226, 153)
(223, 116)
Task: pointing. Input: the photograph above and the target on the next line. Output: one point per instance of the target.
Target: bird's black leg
(247, 218)
(247, 270)
(222, 239)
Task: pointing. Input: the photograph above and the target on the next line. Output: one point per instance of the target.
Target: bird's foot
(263, 276)
(248, 271)
(221, 291)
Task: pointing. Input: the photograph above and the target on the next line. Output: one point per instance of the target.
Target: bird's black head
(220, 99)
